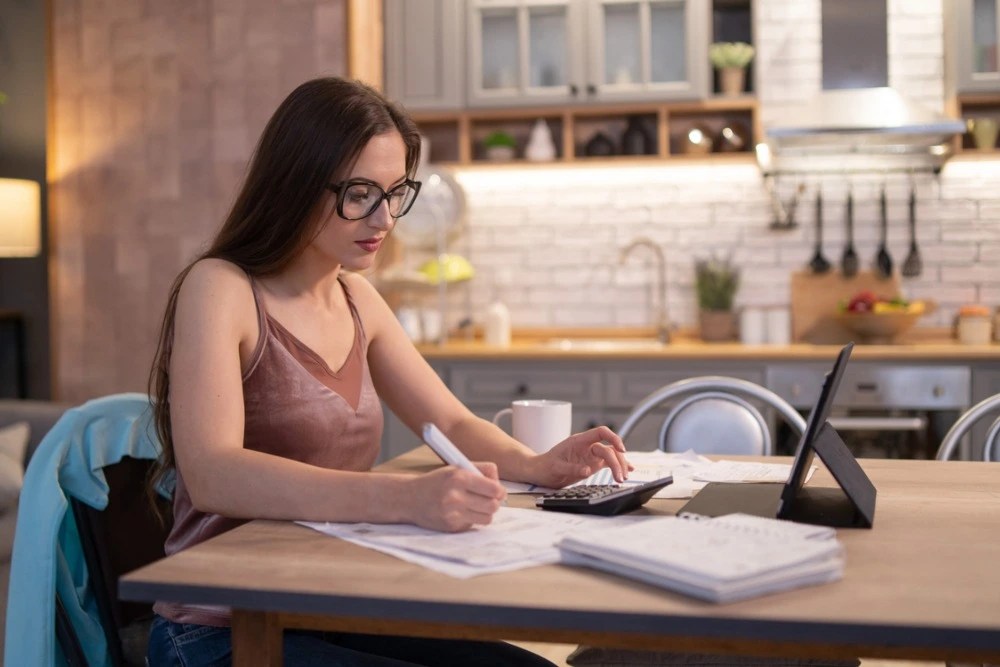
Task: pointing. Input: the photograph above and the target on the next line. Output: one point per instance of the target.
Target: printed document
(517, 538)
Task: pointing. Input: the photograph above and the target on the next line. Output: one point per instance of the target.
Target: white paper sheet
(517, 538)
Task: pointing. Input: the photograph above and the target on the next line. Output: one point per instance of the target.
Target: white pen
(446, 449)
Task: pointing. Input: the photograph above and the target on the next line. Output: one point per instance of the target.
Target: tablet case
(850, 505)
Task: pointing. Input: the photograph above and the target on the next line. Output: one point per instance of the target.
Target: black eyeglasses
(358, 198)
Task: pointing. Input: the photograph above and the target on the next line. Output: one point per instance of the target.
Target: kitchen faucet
(660, 315)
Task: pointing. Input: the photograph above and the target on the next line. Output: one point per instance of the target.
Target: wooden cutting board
(816, 297)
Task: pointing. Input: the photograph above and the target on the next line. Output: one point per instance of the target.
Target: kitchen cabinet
(526, 52)
(602, 392)
(584, 67)
(971, 37)
(424, 46)
(972, 43)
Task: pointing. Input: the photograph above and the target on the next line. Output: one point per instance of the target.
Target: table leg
(257, 639)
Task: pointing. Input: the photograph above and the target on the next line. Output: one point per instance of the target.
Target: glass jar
(975, 329)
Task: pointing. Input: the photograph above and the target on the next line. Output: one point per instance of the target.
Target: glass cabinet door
(522, 51)
(973, 39)
(984, 36)
(648, 48)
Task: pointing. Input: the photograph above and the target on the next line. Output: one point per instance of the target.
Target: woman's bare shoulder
(218, 286)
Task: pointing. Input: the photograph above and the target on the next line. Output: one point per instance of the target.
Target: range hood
(862, 120)
(856, 112)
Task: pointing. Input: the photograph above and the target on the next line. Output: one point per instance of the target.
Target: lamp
(20, 218)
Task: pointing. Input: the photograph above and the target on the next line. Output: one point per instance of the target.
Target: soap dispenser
(497, 324)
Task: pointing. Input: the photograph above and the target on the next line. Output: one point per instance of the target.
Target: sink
(603, 344)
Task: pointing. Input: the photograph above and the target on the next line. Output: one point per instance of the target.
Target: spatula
(819, 263)
(883, 262)
(849, 261)
(913, 265)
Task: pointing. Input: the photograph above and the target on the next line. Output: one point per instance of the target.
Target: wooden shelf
(974, 105)
(455, 137)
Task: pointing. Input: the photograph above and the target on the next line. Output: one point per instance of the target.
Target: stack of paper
(724, 559)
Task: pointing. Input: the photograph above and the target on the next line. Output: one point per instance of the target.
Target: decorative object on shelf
(733, 138)
(500, 146)
(637, 140)
(984, 132)
(20, 218)
(449, 267)
(599, 145)
(697, 141)
(716, 281)
(731, 59)
(541, 147)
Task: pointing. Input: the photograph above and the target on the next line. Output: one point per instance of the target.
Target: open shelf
(974, 106)
(457, 138)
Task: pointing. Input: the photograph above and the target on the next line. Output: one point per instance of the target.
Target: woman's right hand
(450, 499)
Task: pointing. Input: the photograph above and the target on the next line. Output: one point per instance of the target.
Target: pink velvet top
(295, 407)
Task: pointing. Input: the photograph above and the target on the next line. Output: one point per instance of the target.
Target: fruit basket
(875, 320)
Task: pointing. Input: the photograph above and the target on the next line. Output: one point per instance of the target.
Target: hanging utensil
(849, 261)
(913, 265)
(883, 261)
(818, 263)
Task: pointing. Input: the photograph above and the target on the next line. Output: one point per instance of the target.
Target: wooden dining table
(923, 583)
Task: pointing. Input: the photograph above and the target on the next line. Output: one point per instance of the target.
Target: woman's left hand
(581, 455)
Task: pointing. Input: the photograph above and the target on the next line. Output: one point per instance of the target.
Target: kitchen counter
(920, 345)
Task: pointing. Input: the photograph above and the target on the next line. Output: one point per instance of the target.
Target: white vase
(541, 147)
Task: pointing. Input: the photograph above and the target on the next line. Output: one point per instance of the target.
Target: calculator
(603, 499)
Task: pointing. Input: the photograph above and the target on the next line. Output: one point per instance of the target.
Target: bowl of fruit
(875, 319)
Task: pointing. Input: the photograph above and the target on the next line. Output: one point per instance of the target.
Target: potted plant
(499, 145)
(716, 281)
(731, 59)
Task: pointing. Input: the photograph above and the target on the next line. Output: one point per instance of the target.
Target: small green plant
(716, 281)
(499, 138)
(730, 54)
(3, 98)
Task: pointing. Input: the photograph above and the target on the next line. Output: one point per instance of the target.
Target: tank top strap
(358, 326)
(262, 328)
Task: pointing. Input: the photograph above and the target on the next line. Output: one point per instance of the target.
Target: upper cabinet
(530, 52)
(424, 50)
(972, 42)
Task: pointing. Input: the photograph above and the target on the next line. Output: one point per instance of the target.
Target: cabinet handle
(591, 89)
(521, 390)
(573, 90)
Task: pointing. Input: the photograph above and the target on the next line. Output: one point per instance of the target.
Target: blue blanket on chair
(47, 556)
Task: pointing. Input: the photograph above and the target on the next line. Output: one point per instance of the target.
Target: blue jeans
(185, 645)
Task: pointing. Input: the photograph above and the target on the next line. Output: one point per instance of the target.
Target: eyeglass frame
(338, 188)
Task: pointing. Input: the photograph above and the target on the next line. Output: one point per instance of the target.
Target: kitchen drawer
(488, 384)
(625, 388)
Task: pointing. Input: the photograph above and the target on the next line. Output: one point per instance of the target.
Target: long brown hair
(313, 138)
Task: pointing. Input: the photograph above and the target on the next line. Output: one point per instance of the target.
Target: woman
(252, 414)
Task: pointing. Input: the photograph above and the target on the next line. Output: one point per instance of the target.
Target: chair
(711, 414)
(987, 407)
(83, 521)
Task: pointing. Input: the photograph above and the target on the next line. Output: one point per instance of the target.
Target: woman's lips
(370, 245)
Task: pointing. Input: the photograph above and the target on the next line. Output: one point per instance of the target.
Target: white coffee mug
(539, 423)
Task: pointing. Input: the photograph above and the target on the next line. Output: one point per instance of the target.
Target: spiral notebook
(720, 559)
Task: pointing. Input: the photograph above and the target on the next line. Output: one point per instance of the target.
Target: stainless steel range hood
(862, 120)
(856, 112)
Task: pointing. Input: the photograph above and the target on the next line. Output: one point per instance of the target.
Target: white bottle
(497, 325)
